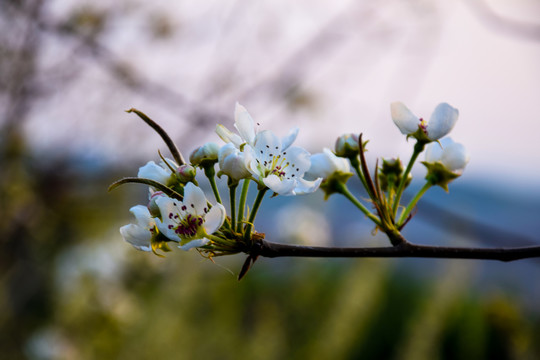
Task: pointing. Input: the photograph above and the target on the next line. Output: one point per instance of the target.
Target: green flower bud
(186, 173)
(390, 174)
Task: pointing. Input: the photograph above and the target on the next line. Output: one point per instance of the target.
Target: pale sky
(364, 57)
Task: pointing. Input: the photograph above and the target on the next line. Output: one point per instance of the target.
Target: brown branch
(403, 250)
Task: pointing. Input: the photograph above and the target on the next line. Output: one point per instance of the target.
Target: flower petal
(434, 152)
(228, 136)
(287, 140)
(244, 124)
(194, 243)
(194, 199)
(455, 156)
(267, 144)
(299, 161)
(307, 187)
(404, 119)
(137, 236)
(281, 187)
(142, 215)
(214, 219)
(442, 121)
(154, 172)
(168, 209)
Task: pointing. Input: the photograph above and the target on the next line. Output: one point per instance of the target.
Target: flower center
(186, 227)
(423, 125)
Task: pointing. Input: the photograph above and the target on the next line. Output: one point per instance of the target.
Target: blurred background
(70, 288)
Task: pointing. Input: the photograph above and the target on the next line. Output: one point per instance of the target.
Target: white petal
(228, 136)
(320, 166)
(267, 145)
(455, 157)
(137, 236)
(194, 243)
(154, 172)
(214, 219)
(289, 138)
(404, 119)
(442, 121)
(307, 187)
(281, 187)
(250, 160)
(194, 199)
(168, 209)
(142, 215)
(226, 150)
(433, 152)
(299, 161)
(244, 124)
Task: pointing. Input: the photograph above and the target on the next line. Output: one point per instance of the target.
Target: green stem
(356, 165)
(210, 174)
(242, 205)
(342, 189)
(232, 195)
(418, 148)
(413, 202)
(256, 205)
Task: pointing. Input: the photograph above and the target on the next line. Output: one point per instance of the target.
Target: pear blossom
(451, 154)
(189, 221)
(278, 166)
(160, 173)
(326, 164)
(232, 162)
(205, 154)
(441, 122)
(140, 235)
(246, 130)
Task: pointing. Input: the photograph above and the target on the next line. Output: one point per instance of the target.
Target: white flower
(139, 235)
(190, 220)
(278, 166)
(246, 128)
(326, 164)
(442, 120)
(451, 154)
(160, 173)
(232, 162)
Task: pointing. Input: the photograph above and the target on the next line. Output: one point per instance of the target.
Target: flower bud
(232, 163)
(332, 169)
(152, 206)
(347, 145)
(390, 174)
(186, 173)
(206, 155)
(445, 161)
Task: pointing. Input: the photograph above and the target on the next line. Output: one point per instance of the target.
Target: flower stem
(232, 195)
(210, 174)
(356, 165)
(242, 205)
(413, 202)
(418, 148)
(342, 189)
(256, 205)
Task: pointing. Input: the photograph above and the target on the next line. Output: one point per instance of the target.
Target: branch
(403, 250)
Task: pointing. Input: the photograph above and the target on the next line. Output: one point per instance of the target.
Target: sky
(344, 64)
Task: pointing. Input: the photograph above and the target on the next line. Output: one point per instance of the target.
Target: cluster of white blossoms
(179, 211)
(185, 216)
